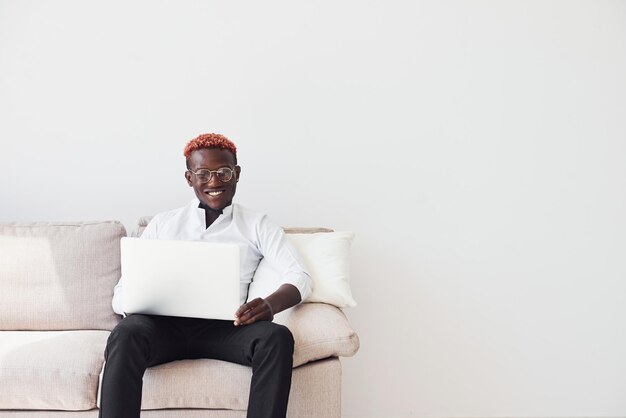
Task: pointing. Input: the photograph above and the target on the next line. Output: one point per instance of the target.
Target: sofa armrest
(319, 331)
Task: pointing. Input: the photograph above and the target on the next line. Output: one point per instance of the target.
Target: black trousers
(142, 341)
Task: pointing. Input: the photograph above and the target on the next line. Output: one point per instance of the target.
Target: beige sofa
(56, 285)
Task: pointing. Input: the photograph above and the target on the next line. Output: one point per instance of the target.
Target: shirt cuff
(301, 281)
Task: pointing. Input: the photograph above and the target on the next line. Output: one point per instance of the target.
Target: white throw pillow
(326, 257)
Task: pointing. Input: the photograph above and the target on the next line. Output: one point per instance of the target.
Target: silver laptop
(180, 278)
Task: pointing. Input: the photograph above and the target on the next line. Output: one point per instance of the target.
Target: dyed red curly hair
(209, 141)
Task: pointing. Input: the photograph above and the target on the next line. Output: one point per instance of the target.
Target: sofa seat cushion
(55, 370)
(214, 384)
(202, 383)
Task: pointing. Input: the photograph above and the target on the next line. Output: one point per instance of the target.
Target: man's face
(216, 194)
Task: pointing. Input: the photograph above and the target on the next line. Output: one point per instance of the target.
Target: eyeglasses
(223, 174)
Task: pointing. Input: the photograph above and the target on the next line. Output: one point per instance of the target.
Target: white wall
(476, 148)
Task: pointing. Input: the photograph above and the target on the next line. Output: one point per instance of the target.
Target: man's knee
(131, 332)
(278, 338)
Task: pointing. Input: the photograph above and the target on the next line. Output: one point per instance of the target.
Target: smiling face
(215, 194)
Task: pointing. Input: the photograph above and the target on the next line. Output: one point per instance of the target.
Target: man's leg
(136, 343)
(265, 346)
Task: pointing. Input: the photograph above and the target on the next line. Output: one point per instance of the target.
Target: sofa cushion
(216, 384)
(326, 256)
(202, 383)
(59, 276)
(50, 369)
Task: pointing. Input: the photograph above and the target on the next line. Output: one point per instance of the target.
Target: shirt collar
(200, 212)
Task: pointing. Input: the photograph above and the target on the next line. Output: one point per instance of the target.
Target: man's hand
(256, 310)
(264, 309)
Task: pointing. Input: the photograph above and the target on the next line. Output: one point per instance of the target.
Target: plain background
(477, 149)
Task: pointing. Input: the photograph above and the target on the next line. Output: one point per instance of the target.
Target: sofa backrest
(59, 276)
(145, 220)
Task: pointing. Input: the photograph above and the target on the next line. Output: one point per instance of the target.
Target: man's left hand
(257, 309)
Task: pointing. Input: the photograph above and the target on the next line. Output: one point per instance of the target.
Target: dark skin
(214, 196)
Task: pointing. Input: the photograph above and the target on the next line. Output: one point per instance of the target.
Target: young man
(142, 341)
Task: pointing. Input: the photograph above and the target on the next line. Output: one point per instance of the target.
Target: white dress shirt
(256, 236)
